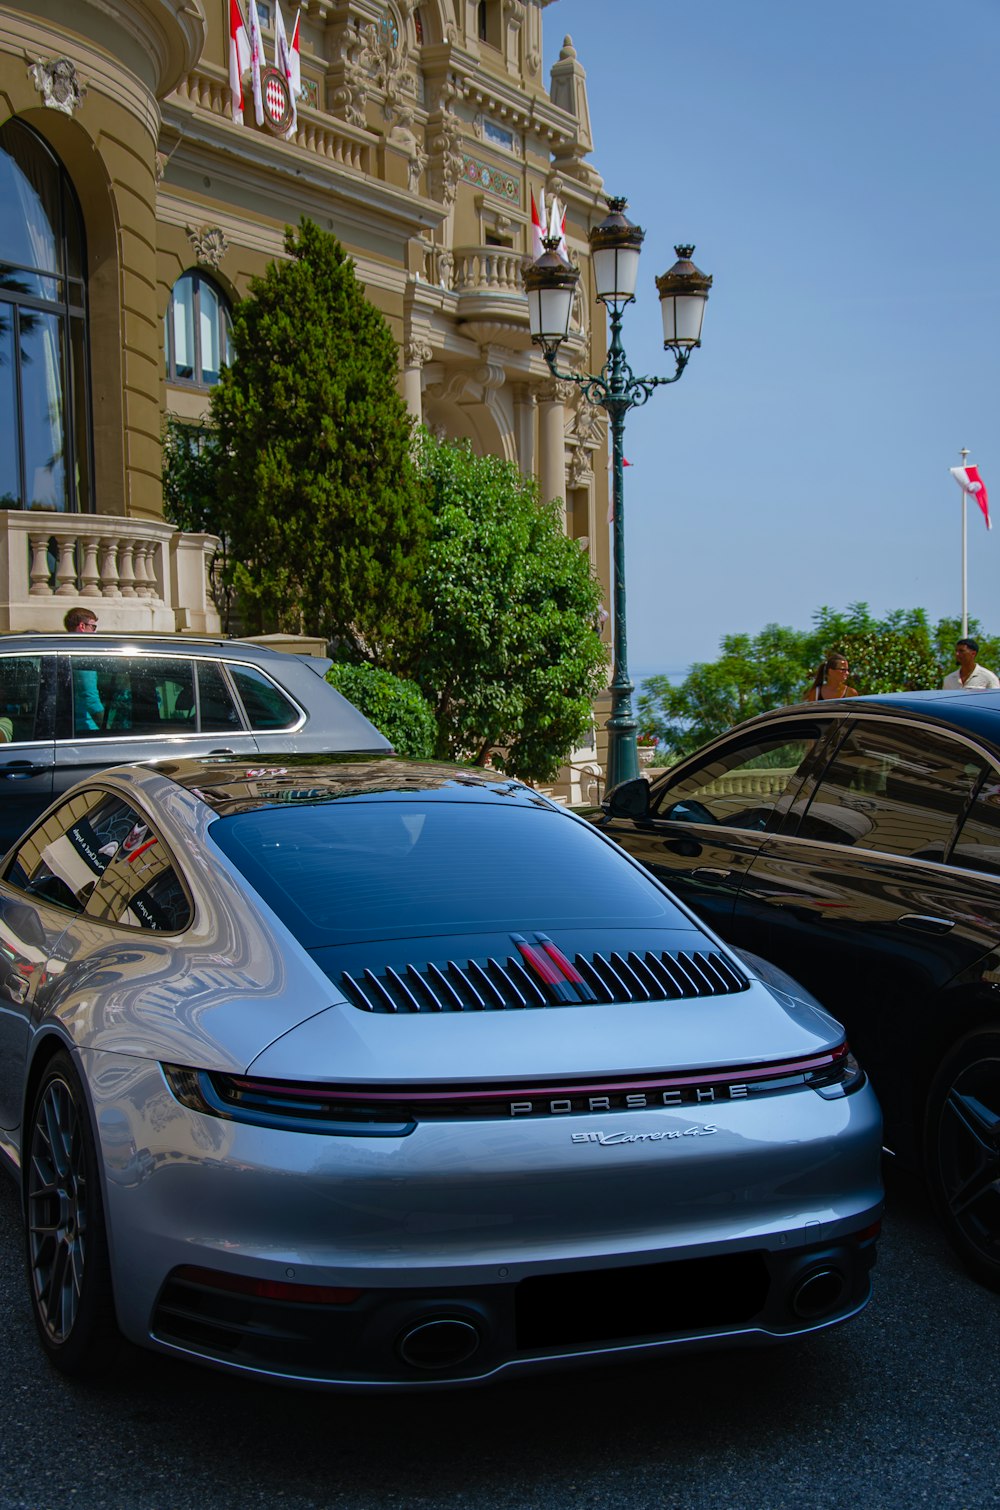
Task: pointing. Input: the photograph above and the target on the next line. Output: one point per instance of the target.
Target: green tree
(396, 707)
(754, 673)
(512, 659)
(315, 486)
(898, 653)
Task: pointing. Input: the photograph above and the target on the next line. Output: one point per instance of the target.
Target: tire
(962, 1151)
(66, 1246)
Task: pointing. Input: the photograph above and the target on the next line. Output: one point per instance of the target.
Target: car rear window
(345, 871)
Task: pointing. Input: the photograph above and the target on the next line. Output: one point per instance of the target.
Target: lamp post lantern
(551, 283)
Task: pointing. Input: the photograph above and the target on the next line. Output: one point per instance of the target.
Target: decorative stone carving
(350, 80)
(58, 84)
(556, 391)
(445, 159)
(210, 245)
(417, 352)
(446, 269)
(490, 372)
(580, 471)
(588, 424)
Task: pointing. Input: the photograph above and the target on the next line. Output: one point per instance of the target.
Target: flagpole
(965, 557)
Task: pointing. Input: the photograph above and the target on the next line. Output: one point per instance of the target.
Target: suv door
(114, 708)
(27, 748)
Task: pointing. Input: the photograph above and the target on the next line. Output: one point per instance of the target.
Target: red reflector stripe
(569, 970)
(268, 1289)
(542, 967)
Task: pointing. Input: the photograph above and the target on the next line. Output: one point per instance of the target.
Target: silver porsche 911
(367, 1073)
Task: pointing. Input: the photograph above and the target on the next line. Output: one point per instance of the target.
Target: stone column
(552, 398)
(415, 354)
(524, 429)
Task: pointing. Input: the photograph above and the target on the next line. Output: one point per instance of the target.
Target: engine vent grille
(510, 985)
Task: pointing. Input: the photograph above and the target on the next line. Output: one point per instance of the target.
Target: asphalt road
(899, 1408)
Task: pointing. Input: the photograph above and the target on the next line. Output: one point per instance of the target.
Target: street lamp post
(551, 283)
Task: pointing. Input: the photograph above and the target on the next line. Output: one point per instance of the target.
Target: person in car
(88, 709)
(830, 679)
(969, 676)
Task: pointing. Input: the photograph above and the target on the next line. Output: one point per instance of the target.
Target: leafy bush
(397, 708)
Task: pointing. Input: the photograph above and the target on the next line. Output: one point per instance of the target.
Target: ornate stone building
(136, 210)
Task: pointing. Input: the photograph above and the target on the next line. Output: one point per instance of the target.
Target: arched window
(45, 443)
(198, 335)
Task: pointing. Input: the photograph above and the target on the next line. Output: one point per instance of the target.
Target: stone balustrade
(492, 269)
(347, 146)
(136, 574)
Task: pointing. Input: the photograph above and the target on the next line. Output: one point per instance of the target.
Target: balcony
(492, 306)
(136, 574)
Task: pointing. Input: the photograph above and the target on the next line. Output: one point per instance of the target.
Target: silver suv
(73, 704)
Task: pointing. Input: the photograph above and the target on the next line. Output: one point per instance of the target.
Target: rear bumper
(448, 1337)
(489, 1250)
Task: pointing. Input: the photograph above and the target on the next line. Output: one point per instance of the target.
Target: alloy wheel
(968, 1157)
(57, 1210)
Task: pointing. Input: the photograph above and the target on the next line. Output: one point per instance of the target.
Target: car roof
(976, 713)
(233, 784)
(109, 641)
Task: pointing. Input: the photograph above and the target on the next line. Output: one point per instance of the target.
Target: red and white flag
(239, 58)
(296, 59)
(256, 62)
(283, 62)
(973, 486)
(537, 225)
(557, 229)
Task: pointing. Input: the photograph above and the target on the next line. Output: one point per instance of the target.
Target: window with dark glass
(897, 790)
(978, 844)
(198, 333)
(45, 443)
(740, 785)
(115, 695)
(27, 687)
(266, 706)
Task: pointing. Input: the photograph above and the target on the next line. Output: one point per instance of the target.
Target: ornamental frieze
(494, 180)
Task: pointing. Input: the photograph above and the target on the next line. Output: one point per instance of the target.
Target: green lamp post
(551, 284)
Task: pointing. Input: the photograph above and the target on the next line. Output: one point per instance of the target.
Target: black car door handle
(921, 923)
(18, 769)
(709, 873)
(222, 752)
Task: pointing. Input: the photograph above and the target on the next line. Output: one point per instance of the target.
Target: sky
(836, 167)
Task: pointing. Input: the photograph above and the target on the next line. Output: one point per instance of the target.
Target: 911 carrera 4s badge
(614, 1140)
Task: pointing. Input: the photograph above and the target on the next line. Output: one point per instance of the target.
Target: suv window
(895, 789)
(26, 684)
(740, 785)
(266, 706)
(149, 695)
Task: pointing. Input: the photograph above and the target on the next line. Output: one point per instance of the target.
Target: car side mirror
(630, 799)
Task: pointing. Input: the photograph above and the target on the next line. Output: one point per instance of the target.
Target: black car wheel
(69, 1277)
(963, 1151)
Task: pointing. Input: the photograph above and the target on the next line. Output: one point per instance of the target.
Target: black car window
(25, 698)
(216, 705)
(121, 695)
(978, 844)
(739, 785)
(895, 789)
(345, 871)
(64, 858)
(266, 706)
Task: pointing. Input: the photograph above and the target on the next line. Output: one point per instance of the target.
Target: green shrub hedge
(397, 708)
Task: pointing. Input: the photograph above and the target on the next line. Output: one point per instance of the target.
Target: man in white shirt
(969, 676)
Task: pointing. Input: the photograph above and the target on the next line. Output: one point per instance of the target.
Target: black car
(857, 845)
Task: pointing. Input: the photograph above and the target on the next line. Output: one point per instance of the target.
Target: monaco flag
(239, 58)
(973, 486)
(283, 61)
(537, 225)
